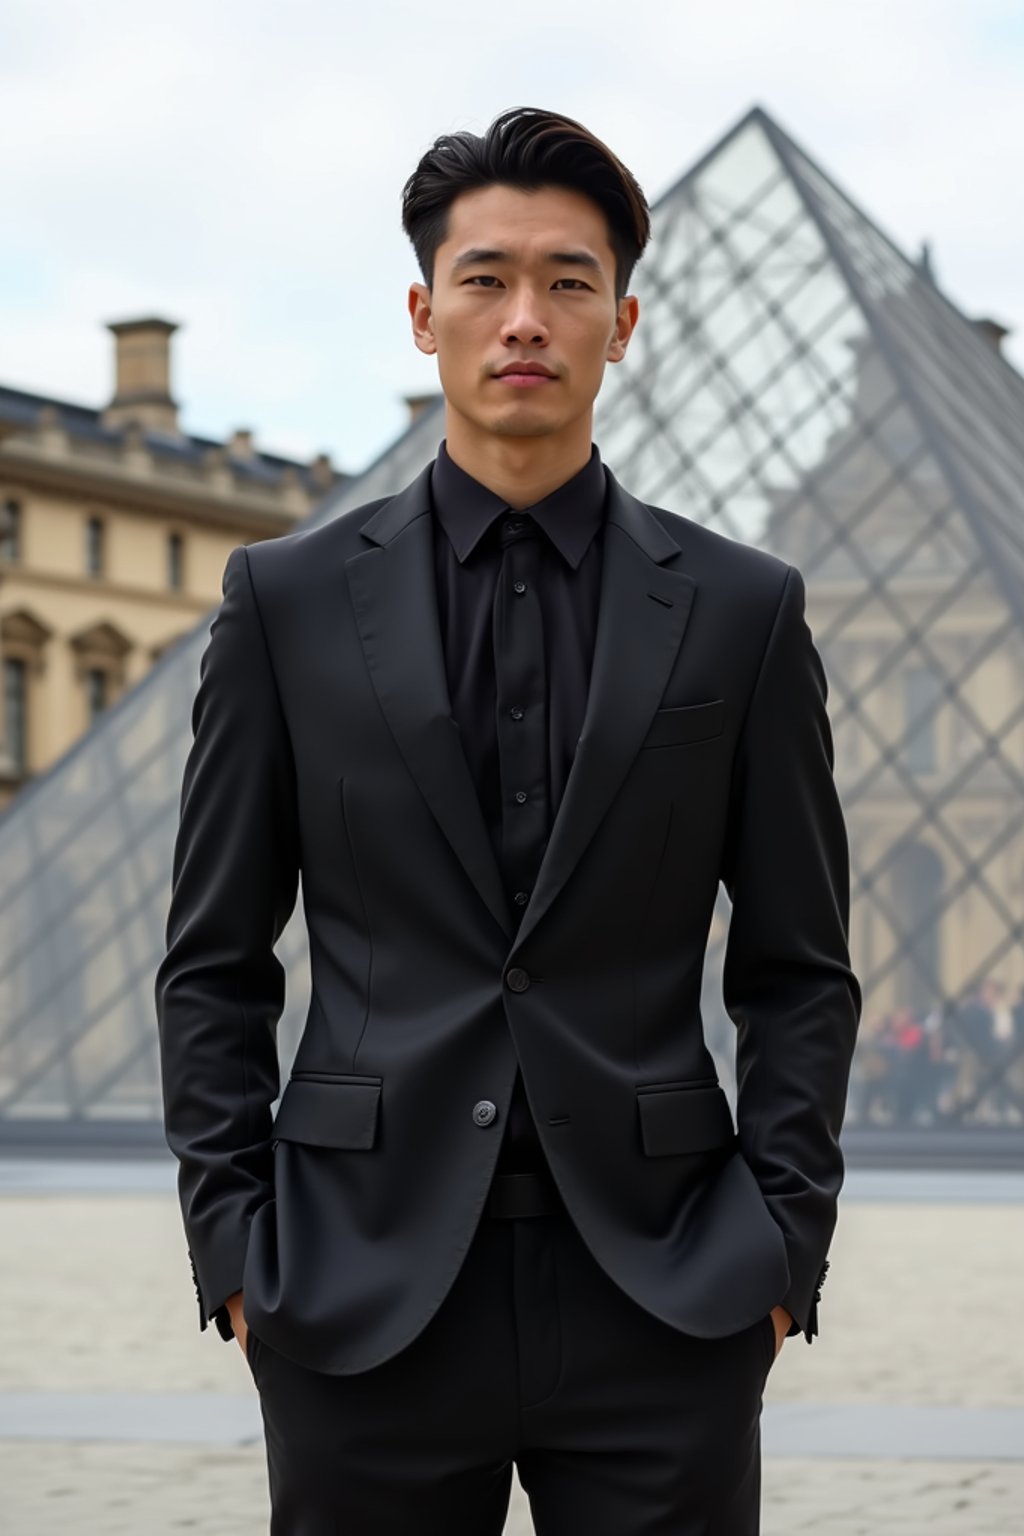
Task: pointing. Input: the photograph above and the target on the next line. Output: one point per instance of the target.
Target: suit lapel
(643, 611)
(395, 603)
(642, 615)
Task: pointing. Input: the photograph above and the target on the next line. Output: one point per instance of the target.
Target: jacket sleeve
(787, 982)
(219, 987)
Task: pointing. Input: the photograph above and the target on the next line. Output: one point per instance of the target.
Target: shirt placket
(521, 706)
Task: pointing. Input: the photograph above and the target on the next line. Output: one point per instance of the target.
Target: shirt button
(519, 586)
(520, 795)
(516, 712)
(521, 898)
(517, 978)
(484, 1112)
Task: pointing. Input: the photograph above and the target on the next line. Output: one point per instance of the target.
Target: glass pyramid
(796, 382)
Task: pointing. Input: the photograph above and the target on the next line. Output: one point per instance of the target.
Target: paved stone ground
(921, 1307)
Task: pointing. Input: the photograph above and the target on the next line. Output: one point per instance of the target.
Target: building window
(96, 682)
(94, 551)
(15, 709)
(10, 530)
(175, 561)
(922, 690)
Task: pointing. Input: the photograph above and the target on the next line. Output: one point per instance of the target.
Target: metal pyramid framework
(794, 381)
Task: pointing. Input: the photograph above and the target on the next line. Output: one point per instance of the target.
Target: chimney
(322, 472)
(992, 331)
(143, 375)
(417, 404)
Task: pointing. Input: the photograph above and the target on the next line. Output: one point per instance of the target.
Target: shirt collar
(570, 515)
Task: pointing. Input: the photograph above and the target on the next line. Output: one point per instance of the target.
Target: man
(513, 726)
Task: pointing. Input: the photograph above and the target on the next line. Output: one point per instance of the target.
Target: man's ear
(625, 324)
(422, 317)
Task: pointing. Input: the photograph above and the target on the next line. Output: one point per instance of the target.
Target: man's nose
(525, 319)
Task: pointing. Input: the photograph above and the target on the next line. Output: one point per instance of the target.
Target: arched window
(101, 664)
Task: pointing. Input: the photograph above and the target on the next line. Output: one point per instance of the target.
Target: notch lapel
(394, 597)
(643, 611)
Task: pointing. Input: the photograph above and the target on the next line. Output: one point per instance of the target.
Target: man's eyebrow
(480, 255)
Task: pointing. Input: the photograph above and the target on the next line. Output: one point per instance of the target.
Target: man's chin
(506, 428)
(518, 418)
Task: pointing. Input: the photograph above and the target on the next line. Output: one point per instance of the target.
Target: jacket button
(484, 1112)
(517, 978)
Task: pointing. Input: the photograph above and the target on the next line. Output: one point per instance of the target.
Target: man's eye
(482, 279)
(578, 280)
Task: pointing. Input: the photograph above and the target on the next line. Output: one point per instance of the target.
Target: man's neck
(521, 470)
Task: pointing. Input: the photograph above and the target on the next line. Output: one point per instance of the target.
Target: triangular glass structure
(796, 382)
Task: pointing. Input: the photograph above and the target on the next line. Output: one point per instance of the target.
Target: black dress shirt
(517, 596)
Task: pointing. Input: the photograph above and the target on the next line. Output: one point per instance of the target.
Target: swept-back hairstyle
(527, 148)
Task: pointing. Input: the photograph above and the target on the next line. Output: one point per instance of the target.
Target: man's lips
(524, 378)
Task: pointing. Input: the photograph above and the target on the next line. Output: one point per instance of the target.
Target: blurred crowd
(962, 1062)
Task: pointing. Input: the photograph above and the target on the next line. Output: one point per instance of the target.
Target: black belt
(523, 1194)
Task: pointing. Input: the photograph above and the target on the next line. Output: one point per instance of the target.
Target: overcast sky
(237, 167)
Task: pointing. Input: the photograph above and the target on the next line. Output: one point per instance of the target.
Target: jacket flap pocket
(681, 1118)
(686, 722)
(329, 1112)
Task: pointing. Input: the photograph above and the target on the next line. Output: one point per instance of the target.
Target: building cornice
(148, 492)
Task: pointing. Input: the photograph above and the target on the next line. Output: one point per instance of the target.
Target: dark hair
(528, 148)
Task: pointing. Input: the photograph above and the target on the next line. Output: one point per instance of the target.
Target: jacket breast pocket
(684, 1117)
(327, 1109)
(684, 723)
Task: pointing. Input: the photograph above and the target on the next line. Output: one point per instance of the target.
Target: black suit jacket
(324, 744)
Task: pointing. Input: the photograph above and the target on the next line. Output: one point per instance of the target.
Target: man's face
(522, 277)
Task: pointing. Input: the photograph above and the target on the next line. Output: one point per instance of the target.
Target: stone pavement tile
(847, 1497)
(123, 1490)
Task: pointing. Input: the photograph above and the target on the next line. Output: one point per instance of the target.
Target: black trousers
(618, 1424)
